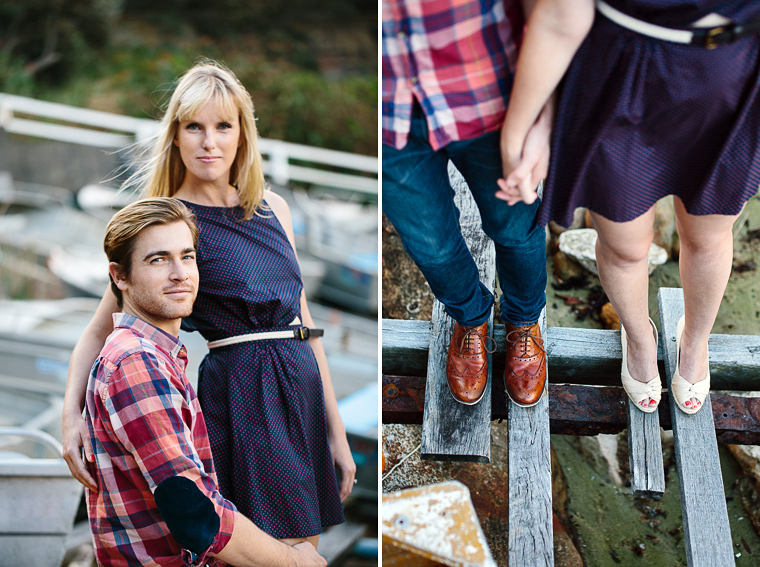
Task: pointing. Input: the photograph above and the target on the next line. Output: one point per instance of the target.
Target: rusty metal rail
(582, 410)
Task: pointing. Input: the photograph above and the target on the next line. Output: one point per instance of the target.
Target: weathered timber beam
(577, 356)
(531, 533)
(583, 410)
(451, 430)
(707, 532)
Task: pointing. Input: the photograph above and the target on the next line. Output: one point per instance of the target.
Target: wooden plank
(405, 347)
(531, 537)
(644, 450)
(396, 557)
(707, 535)
(583, 410)
(578, 356)
(452, 430)
(337, 541)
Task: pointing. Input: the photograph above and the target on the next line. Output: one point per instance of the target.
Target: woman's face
(208, 144)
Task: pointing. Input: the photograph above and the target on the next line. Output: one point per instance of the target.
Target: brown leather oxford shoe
(525, 369)
(467, 363)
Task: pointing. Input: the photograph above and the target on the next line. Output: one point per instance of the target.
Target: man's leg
(520, 262)
(419, 200)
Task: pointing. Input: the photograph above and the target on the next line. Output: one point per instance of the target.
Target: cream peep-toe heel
(639, 391)
(683, 391)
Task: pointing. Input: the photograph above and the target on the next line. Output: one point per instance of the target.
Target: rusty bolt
(390, 391)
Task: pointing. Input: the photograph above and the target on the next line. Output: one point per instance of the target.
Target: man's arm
(249, 546)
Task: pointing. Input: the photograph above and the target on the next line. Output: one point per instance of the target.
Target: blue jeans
(419, 200)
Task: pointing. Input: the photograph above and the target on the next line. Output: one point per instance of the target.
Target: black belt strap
(305, 333)
(720, 35)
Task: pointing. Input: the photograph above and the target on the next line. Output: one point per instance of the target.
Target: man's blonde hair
(126, 225)
(163, 172)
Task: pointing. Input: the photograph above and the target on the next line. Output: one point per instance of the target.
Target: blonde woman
(658, 97)
(269, 405)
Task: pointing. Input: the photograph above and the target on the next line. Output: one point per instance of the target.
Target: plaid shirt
(146, 426)
(456, 57)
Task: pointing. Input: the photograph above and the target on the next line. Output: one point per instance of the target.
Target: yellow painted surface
(436, 522)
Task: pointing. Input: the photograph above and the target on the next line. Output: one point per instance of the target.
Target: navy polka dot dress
(640, 118)
(262, 401)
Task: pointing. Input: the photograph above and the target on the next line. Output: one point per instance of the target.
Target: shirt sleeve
(152, 419)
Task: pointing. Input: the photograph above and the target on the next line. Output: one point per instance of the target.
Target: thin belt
(301, 333)
(702, 37)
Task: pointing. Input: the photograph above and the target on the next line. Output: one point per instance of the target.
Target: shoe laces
(470, 335)
(522, 335)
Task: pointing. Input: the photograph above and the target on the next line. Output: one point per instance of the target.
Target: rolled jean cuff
(469, 319)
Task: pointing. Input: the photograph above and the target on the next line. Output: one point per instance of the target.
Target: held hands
(75, 438)
(344, 462)
(525, 161)
(307, 556)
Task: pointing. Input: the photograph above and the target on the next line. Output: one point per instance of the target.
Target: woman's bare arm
(555, 30)
(89, 345)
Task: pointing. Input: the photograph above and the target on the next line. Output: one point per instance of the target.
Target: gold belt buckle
(710, 42)
(304, 333)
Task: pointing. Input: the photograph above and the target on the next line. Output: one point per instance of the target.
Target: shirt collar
(161, 338)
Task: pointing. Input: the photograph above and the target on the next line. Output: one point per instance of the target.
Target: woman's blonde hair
(162, 173)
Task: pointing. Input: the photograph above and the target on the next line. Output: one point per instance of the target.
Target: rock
(609, 317)
(748, 457)
(555, 229)
(587, 222)
(565, 553)
(580, 244)
(665, 234)
(601, 451)
(406, 294)
(579, 221)
(566, 268)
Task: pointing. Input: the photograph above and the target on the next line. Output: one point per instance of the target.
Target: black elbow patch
(189, 514)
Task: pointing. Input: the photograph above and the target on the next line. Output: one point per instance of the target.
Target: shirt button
(401, 35)
(413, 80)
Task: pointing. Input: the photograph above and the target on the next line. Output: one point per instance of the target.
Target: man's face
(163, 281)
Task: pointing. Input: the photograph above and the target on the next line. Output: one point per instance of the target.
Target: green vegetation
(311, 69)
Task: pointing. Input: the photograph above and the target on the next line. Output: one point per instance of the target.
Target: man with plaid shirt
(447, 72)
(157, 502)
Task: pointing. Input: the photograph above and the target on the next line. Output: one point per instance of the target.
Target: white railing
(53, 121)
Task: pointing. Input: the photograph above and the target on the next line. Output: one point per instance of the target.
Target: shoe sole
(483, 393)
(543, 393)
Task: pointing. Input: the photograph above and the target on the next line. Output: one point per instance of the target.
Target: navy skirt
(640, 118)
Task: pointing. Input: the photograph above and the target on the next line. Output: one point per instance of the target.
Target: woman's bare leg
(622, 254)
(313, 540)
(707, 250)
